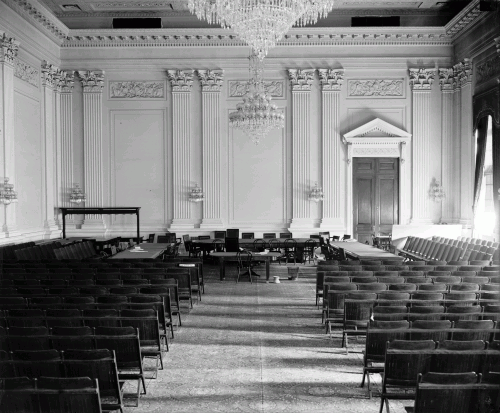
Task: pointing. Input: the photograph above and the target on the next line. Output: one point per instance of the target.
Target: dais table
(360, 251)
(149, 251)
(233, 256)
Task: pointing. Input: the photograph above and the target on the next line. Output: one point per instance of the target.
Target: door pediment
(376, 138)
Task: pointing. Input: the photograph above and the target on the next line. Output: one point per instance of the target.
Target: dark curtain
(482, 130)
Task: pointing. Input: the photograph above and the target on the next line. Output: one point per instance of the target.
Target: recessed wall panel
(138, 173)
(28, 162)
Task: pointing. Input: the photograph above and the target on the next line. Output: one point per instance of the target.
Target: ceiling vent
(137, 23)
(375, 21)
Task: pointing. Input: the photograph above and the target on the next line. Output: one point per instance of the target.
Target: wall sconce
(316, 194)
(7, 193)
(196, 194)
(436, 191)
(77, 196)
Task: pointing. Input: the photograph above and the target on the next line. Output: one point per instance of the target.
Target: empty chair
(403, 287)
(77, 338)
(461, 312)
(425, 297)
(372, 287)
(436, 330)
(423, 313)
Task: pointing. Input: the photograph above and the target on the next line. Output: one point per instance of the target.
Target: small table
(233, 256)
(150, 251)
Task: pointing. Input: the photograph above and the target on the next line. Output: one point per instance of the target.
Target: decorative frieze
(331, 79)
(463, 19)
(8, 49)
(375, 88)
(275, 88)
(211, 80)
(421, 78)
(26, 72)
(488, 69)
(92, 80)
(301, 79)
(463, 72)
(50, 74)
(137, 90)
(447, 78)
(66, 81)
(181, 80)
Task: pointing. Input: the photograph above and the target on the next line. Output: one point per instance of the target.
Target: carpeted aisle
(258, 348)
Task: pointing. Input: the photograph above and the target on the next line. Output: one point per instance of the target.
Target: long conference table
(233, 256)
(149, 251)
(359, 251)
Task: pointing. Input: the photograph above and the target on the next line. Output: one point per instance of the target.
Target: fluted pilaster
(64, 90)
(333, 171)
(301, 81)
(448, 164)
(457, 130)
(182, 82)
(211, 86)
(463, 76)
(8, 52)
(420, 83)
(93, 84)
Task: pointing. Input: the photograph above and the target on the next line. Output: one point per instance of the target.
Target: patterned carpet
(258, 347)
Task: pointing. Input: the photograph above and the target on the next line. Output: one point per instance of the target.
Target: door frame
(378, 139)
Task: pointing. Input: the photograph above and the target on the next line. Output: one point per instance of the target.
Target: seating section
(57, 316)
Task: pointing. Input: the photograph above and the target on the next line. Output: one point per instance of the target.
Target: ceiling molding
(310, 36)
(41, 17)
(464, 20)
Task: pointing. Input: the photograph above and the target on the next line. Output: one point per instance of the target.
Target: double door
(375, 196)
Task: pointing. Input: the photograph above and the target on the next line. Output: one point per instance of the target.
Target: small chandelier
(196, 194)
(436, 191)
(260, 23)
(77, 196)
(316, 194)
(256, 116)
(7, 193)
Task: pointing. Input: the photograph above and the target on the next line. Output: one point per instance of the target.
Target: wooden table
(150, 251)
(233, 256)
(360, 251)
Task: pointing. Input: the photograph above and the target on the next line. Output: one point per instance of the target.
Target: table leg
(267, 269)
(222, 268)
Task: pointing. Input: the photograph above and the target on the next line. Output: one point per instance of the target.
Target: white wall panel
(28, 162)
(257, 181)
(137, 159)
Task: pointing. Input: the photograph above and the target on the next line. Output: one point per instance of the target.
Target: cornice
(181, 80)
(309, 36)
(40, 16)
(464, 19)
(331, 79)
(421, 78)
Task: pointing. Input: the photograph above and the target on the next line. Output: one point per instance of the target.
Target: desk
(99, 211)
(233, 256)
(360, 251)
(150, 251)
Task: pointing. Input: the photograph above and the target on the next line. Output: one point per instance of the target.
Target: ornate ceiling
(98, 14)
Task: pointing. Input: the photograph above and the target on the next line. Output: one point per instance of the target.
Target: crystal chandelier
(316, 194)
(7, 193)
(196, 194)
(77, 196)
(256, 116)
(260, 23)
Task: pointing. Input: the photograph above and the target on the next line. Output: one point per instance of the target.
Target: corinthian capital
(66, 81)
(463, 72)
(301, 79)
(447, 78)
(331, 79)
(421, 78)
(92, 80)
(8, 49)
(50, 74)
(211, 80)
(181, 80)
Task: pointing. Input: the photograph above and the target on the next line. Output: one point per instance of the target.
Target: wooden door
(375, 196)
